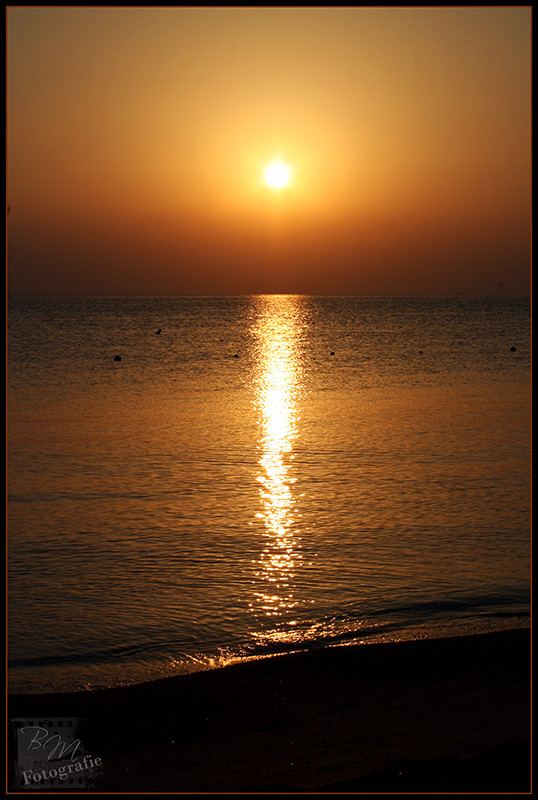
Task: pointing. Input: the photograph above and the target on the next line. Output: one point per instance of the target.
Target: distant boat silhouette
(156, 332)
(117, 358)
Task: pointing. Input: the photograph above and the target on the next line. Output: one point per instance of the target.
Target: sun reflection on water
(277, 388)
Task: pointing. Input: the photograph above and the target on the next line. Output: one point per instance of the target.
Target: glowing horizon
(138, 137)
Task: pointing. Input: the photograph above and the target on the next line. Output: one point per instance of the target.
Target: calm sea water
(266, 474)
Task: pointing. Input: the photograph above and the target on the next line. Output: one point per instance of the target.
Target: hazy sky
(138, 139)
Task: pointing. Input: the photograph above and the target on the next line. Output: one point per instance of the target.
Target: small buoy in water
(332, 352)
(157, 332)
(512, 349)
(421, 351)
(117, 358)
(236, 355)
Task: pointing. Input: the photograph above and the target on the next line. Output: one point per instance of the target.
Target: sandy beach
(432, 715)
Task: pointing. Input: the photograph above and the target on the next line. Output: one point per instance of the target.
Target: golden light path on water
(277, 387)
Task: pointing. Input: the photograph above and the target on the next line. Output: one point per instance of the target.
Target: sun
(277, 175)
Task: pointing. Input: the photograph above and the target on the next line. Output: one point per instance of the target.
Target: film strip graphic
(49, 755)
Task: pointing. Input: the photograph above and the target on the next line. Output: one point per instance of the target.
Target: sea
(196, 481)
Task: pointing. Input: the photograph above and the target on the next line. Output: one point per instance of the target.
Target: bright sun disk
(277, 175)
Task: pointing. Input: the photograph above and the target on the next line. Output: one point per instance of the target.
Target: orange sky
(138, 137)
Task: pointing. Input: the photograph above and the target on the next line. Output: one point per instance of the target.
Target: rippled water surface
(263, 475)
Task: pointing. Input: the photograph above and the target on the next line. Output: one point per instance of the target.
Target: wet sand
(438, 715)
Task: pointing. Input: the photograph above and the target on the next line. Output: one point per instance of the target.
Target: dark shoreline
(430, 715)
